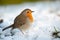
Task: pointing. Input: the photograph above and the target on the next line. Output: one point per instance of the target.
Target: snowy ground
(46, 16)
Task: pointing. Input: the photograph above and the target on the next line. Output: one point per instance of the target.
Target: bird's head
(28, 13)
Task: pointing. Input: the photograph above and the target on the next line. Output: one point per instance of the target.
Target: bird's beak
(32, 11)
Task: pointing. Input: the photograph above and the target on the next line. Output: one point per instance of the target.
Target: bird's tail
(7, 27)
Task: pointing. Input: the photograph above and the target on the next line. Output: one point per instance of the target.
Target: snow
(45, 18)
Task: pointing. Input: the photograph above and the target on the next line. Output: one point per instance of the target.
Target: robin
(22, 21)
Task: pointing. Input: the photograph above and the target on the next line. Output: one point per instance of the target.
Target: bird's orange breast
(29, 15)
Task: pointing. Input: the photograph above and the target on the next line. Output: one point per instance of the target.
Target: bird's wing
(20, 20)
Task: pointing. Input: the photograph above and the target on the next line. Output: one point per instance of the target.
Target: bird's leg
(22, 32)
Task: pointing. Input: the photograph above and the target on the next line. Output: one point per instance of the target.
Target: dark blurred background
(5, 2)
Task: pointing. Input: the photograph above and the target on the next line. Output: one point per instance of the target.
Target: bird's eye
(28, 12)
